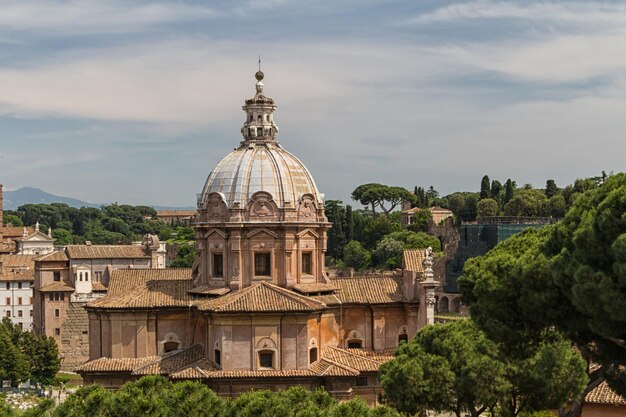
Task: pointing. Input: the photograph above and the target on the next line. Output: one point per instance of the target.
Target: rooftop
(106, 252)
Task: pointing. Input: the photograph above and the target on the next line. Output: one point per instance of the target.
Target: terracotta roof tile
(151, 294)
(357, 359)
(171, 362)
(261, 297)
(106, 252)
(176, 213)
(206, 289)
(98, 286)
(375, 289)
(317, 287)
(57, 287)
(270, 373)
(123, 281)
(603, 394)
(56, 256)
(114, 364)
(15, 232)
(414, 260)
(17, 267)
(196, 370)
(324, 367)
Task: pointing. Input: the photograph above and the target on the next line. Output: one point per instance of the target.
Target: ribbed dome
(262, 166)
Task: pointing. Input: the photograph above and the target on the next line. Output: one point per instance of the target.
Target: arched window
(80, 276)
(355, 344)
(251, 118)
(312, 355)
(403, 338)
(260, 118)
(170, 346)
(218, 357)
(444, 305)
(267, 117)
(170, 343)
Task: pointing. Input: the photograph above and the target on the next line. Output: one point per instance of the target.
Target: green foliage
(377, 195)
(389, 252)
(336, 213)
(487, 207)
(509, 190)
(485, 189)
(186, 255)
(551, 188)
(24, 355)
(526, 202)
(421, 220)
(355, 256)
(447, 367)
(12, 219)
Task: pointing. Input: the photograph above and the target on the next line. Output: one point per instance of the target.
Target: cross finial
(259, 62)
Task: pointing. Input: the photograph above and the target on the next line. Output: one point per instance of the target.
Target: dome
(261, 167)
(260, 163)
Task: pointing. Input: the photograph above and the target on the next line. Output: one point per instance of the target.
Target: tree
(527, 202)
(62, 237)
(355, 256)
(186, 255)
(377, 195)
(551, 189)
(13, 220)
(496, 189)
(485, 189)
(420, 221)
(487, 207)
(389, 253)
(449, 367)
(349, 229)
(509, 190)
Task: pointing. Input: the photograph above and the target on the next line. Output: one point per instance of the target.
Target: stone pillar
(429, 285)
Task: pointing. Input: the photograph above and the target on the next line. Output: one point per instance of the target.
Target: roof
(171, 362)
(56, 256)
(106, 252)
(261, 297)
(356, 359)
(313, 288)
(205, 289)
(151, 294)
(114, 364)
(414, 260)
(13, 231)
(98, 286)
(124, 280)
(603, 394)
(17, 267)
(57, 287)
(372, 289)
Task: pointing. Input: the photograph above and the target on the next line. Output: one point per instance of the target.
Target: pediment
(307, 233)
(215, 231)
(38, 237)
(258, 233)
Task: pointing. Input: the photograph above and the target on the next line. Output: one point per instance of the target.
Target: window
(98, 276)
(57, 331)
(8, 314)
(218, 265)
(19, 285)
(218, 357)
(57, 312)
(8, 301)
(19, 301)
(31, 300)
(259, 118)
(355, 344)
(51, 296)
(20, 325)
(170, 346)
(56, 296)
(262, 264)
(62, 296)
(312, 355)
(307, 263)
(403, 338)
(266, 359)
(20, 313)
(361, 381)
(31, 313)
(8, 285)
(57, 275)
(259, 131)
(80, 276)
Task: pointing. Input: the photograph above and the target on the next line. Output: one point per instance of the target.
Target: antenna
(259, 62)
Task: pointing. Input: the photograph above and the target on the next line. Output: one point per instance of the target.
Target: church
(258, 309)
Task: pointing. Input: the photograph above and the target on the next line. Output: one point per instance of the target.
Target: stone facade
(17, 273)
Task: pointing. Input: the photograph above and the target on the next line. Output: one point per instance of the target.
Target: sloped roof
(152, 294)
(197, 370)
(603, 394)
(414, 260)
(206, 289)
(261, 297)
(56, 256)
(14, 232)
(171, 362)
(124, 280)
(98, 286)
(37, 236)
(114, 364)
(176, 213)
(324, 367)
(312, 288)
(357, 359)
(57, 287)
(373, 289)
(17, 267)
(106, 252)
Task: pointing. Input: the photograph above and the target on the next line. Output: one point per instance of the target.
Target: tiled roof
(206, 289)
(106, 252)
(56, 256)
(98, 286)
(357, 359)
(314, 288)
(17, 267)
(57, 287)
(414, 260)
(324, 367)
(124, 280)
(151, 294)
(171, 362)
(603, 394)
(261, 297)
(114, 364)
(176, 213)
(13, 231)
(376, 289)
(269, 373)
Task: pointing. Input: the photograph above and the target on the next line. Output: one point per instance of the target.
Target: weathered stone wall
(74, 337)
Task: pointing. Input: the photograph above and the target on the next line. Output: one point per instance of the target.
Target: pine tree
(485, 187)
(508, 191)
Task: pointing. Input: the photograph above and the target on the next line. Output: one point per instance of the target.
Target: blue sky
(135, 102)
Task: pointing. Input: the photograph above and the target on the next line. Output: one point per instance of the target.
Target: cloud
(95, 17)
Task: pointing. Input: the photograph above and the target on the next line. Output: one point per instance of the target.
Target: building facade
(17, 273)
(258, 309)
(66, 280)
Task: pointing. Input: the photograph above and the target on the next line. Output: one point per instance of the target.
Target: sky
(135, 102)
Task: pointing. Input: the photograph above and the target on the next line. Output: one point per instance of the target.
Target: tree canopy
(384, 196)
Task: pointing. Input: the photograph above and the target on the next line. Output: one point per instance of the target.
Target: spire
(259, 125)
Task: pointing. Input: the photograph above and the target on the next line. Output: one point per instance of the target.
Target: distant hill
(31, 195)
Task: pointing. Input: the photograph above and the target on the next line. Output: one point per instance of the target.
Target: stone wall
(75, 337)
